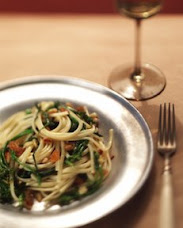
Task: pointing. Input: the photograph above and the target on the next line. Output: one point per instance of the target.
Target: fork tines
(167, 131)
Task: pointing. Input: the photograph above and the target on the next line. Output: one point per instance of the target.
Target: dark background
(75, 6)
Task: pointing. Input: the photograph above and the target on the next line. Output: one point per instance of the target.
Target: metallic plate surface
(132, 148)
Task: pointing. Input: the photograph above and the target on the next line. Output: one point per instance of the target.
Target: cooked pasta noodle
(52, 152)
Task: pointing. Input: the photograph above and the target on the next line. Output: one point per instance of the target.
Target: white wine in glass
(138, 81)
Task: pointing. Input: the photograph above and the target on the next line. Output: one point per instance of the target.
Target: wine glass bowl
(138, 81)
(139, 9)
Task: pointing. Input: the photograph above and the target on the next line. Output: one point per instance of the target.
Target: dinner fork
(166, 146)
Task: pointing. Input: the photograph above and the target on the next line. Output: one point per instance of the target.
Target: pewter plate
(132, 148)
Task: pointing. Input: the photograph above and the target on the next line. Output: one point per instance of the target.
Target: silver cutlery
(166, 146)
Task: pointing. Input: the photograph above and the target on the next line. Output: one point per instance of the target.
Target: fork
(166, 146)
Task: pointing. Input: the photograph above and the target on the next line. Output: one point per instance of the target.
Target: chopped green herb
(48, 121)
(84, 116)
(25, 166)
(3, 161)
(35, 163)
(70, 196)
(56, 104)
(24, 173)
(28, 111)
(74, 124)
(77, 152)
(74, 194)
(21, 134)
(5, 195)
(37, 105)
(21, 200)
(44, 173)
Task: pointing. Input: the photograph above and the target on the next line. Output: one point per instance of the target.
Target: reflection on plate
(132, 147)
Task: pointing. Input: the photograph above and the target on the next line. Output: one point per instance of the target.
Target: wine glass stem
(137, 70)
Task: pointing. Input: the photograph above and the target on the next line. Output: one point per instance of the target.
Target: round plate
(132, 148)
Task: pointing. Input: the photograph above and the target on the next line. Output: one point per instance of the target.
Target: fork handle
(167, 217)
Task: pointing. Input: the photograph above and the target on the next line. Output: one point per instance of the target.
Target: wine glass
(141, 81)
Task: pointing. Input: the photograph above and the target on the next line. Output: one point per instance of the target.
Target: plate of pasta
(68, 147)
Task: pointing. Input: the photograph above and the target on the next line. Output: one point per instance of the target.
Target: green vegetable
(24, 173)
(96, 161)
(84, 116)
(21, 134)
(31, 138)
(28, 111)
(21, 200)
(74, 124)
(70, 196)
(25, 166)
(56, 105)
(44, 173)
(3, 162)
(6, 173)
(35, 163)
(99, 176)
(37, 105)
(73, 194)
(45, 118)
(48, 121)
(92, 186)
(5, 195)
(77, 152)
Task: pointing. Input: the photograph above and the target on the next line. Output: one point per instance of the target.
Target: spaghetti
(53, 153)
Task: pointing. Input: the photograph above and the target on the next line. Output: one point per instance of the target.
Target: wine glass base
(152, 83)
